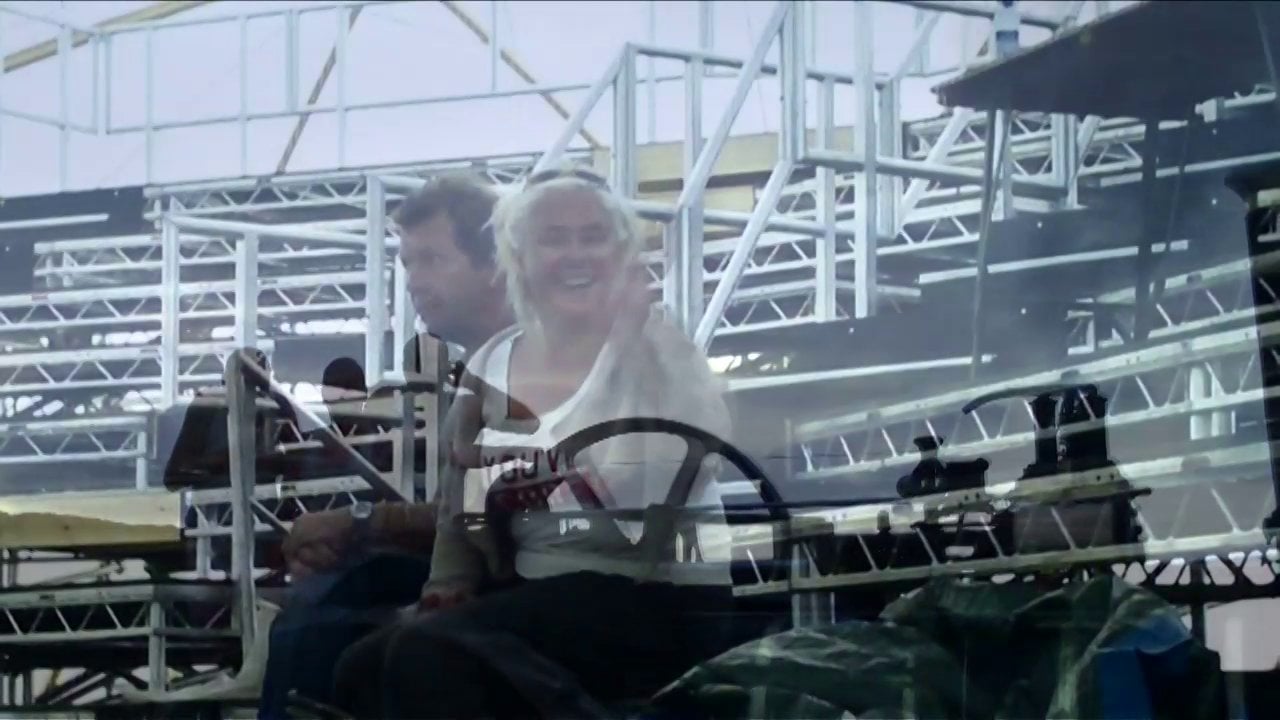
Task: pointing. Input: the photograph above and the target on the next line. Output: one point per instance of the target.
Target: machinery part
(932, 475)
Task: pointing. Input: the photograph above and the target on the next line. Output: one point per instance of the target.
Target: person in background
(349, 565)
(525, 592)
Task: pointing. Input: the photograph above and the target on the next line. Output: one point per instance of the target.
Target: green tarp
(970, 650)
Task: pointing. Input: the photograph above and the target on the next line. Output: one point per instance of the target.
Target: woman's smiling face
(573, 256)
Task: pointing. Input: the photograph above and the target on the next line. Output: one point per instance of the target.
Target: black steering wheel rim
(699, 444)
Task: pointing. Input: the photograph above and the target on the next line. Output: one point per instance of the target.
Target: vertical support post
(204, 554)
(810, 14)
(291, 60)
(890, 144)
(706, 25)
(437, 362)
(865, 146)
(1065, 129)
(1004, 208)
(241, 413)
(408, 430)
(683, 291)
(64, 103)
(825, 283)
(624, 125)
(95, 82)
(495, 45)
(148, 105)
(651, 74)
(990, 166)
(1150, 228)
(246, 328)
(793, 72)
(340, 80)
(242, 24)
(170, 279)
(105, 127)
(684, 258)
(1199, 389)
(157, 662)
(375, 298)
(140, 464)
(402, 329)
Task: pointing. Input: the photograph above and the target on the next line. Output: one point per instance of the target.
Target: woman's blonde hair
(511, 222)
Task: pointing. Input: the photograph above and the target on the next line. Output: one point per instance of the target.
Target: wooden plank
(74, 520)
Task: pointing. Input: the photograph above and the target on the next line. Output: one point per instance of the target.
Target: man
(447, 247)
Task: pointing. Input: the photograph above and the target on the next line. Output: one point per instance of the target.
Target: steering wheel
(698, 445)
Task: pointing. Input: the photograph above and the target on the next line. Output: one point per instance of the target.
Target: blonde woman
(578, 596)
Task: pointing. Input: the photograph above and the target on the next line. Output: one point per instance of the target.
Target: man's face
(449, 291)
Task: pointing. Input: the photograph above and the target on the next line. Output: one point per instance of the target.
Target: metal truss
(101, 378)
(81, 440)
(112, 631)
(1207, 375)
(55, 615)
(1210, 504)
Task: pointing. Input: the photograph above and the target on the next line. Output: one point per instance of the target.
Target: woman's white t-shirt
(547, 545)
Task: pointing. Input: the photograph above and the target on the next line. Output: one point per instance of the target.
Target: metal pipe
(624, 126)
(793, 138)
(140, 479)
(243, 123)
(148, 104)
(64, 104)
(340, 82)
(402, 329)
(889, 142)
(824, 308)
(1150, 224)
(170, 281)
(235, 227)
(738, 260)
(684, 261)
(375, 283)
(950, 174)
(865, 142)
(246, 282)
(241, 417)
(291, 60)
(989, 170)
(494, 41)
(651, 78)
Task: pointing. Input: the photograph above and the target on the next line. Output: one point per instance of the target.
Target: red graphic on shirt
(524, 488)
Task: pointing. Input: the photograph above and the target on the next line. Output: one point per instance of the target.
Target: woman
(579, 601)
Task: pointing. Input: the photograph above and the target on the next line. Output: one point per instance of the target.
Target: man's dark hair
(466, 202)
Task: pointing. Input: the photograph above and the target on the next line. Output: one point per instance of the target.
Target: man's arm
(319, 541)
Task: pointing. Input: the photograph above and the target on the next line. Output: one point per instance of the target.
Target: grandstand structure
(827, 262)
